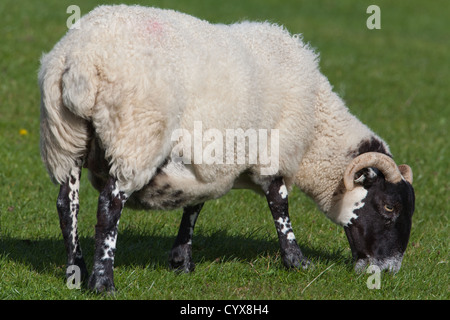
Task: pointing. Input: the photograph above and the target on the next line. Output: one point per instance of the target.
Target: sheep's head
(379, 204)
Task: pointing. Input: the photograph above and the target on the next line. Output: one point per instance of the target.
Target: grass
(394, 79)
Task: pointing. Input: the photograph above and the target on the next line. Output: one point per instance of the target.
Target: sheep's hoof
(294, 259)
(101, 284)
(182, 267)
(180, 259)
(297, 263)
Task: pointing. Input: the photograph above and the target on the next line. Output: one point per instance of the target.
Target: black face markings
(379, 236)
(370, 145)
(380, 232)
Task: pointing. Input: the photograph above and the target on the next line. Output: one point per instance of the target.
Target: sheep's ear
(406, 172)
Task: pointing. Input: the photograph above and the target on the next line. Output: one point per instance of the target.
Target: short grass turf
(394, 79)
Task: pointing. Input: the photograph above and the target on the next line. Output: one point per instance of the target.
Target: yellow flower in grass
(23, 132)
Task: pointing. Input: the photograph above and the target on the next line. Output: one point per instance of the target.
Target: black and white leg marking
(68, 205)
(110, 204)
(180, 257)
(277, 198)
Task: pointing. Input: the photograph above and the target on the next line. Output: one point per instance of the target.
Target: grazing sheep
(137, 95)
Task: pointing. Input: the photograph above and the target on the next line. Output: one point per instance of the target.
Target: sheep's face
(380, 219)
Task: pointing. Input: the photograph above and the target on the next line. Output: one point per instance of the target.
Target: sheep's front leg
(110, 204)
(277, 198)
(180, 257)
(68, 206)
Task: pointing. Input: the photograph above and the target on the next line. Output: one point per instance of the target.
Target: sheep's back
(159, 70)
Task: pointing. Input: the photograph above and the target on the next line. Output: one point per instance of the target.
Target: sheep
(125, 94)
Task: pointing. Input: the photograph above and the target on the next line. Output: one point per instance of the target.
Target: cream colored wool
(138, 73)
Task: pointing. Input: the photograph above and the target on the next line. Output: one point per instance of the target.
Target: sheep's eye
(388, 208)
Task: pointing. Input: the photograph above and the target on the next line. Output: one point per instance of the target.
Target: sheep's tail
(67, 98)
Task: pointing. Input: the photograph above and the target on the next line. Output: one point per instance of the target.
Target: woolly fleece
(135, 74)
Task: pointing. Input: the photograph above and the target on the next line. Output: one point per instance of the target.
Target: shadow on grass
(152, 250)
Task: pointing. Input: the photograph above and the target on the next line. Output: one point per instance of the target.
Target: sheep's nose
(390, 264)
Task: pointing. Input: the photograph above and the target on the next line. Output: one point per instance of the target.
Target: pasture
(394, 79)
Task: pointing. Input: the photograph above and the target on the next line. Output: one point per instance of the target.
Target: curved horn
(378, 160)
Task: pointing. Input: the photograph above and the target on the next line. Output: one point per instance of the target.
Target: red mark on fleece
(154, 27)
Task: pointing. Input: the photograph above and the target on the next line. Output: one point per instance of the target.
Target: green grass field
(396, 80)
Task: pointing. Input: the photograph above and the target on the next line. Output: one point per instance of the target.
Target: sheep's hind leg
(68, 206)
(180, 258)
(110, 204)
(277, 199)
